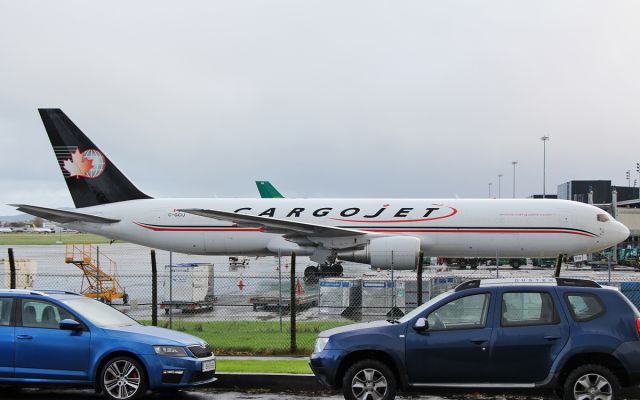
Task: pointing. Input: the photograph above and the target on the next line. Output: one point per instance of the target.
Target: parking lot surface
(213, 394)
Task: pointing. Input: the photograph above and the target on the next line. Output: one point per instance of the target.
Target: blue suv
(61, 337)
(574, 336)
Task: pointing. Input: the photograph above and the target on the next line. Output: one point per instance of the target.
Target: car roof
(56, 294)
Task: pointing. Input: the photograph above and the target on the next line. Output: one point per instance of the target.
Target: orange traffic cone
(299, 288)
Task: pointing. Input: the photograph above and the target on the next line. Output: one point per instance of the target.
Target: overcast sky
(323, 98)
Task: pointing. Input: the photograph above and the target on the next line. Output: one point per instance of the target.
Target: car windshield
(423, 307)
(98, 313)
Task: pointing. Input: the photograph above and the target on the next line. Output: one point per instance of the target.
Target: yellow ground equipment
(98, 282)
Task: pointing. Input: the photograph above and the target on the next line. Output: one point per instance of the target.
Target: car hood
(153, 335)
(354, 327)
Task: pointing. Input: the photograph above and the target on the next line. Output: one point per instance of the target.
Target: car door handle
(24, 337)
(479, 341)
(551, 337)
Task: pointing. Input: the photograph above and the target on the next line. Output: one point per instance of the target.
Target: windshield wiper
(393, 321)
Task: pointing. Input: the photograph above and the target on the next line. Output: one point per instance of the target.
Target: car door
(530, 332)
(43, 350)
(7, 337)
(454, 348)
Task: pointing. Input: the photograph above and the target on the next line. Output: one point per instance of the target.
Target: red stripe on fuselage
(197, 229)
(478, 231)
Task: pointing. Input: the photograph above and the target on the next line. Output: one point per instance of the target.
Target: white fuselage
(445, 227)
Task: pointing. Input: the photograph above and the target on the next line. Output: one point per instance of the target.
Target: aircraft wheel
(311, 274)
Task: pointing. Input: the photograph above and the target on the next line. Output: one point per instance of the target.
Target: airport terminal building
(622, 202)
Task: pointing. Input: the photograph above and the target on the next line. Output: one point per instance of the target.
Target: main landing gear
(326, 270)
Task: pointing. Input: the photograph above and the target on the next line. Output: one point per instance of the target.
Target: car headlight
(171, 351)
(321, 343)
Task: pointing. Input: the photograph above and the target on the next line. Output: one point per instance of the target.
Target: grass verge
(264, 366)
(18, 239)
(254, 337)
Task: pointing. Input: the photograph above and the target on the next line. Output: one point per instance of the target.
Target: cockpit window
(603, 217)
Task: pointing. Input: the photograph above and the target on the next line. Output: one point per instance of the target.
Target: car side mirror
(70, 325)
(421, 325)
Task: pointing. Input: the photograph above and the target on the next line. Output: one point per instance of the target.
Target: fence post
(154, 289)
(170, 289)
(12, 270)
(98, 274)
(558, 266)
(293, 347)
(419, 278)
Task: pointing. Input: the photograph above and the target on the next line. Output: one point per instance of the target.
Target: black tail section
(91, 177)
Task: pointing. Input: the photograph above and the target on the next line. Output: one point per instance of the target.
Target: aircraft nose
(620, 232)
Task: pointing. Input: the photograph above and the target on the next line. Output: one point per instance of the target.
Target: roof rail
(577, 282)
(56, 291)
(572, 282)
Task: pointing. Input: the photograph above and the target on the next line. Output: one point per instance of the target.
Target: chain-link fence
(243, 305)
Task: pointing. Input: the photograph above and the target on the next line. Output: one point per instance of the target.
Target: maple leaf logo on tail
(78, 165)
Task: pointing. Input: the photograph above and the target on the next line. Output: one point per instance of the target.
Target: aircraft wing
(62, 216)
(276, 225)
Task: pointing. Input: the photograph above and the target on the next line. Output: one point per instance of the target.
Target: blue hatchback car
(61, 337)
(574, 336)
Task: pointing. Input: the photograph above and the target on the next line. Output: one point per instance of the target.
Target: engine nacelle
(401, 252)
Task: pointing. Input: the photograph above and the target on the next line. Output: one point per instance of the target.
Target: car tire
(592, 380)
(123, 378)
(372, 376)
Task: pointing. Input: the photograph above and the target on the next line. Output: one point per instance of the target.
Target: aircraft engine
(401, 252)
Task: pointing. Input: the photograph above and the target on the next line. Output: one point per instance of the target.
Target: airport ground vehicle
(55, 337)
(628, 257)
(188, 287)
(571, 335)
(544, 262)
(473, 262)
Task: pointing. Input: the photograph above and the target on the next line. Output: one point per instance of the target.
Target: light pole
(514, 178)
(544, 165)
(638, 171)
(490, 183)
(629, 177)
(499, 186)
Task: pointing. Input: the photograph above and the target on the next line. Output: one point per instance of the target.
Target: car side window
(5, 311)
(584, 306)
(528, 308)
(462, 313)
(42, 314)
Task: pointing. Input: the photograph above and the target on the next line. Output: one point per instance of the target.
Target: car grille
(171, 378)
(201, 352)
(202, 376)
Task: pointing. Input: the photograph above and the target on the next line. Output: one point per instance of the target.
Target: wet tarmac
(212, 394)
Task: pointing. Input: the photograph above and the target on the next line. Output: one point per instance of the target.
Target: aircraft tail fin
(91, 177)
(268, 191)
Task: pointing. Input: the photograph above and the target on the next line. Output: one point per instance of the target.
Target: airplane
(40, 230)
(268, 191)
(382, 232)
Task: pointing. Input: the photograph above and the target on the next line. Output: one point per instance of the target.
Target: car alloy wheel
(591, 382)
(121, 379)
(369, 384)
(591, 387)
